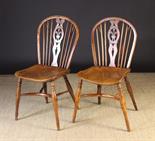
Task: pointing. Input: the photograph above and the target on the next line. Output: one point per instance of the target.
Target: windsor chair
(57, 38)
(113, 43)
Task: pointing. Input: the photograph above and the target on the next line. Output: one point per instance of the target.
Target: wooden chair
(113, 43)
(57, 38)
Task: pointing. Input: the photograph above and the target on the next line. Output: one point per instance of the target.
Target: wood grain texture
(103, 75)
(41, 73)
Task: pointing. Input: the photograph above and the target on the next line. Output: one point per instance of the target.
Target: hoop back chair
(113, 42)
(57, 38)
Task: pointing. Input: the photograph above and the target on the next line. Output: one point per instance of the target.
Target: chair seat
(41, 73)
(103, 75)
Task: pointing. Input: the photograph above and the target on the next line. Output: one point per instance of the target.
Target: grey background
(19, 20)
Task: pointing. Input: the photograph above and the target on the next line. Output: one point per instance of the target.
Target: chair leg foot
(69, 87)
(75, 112)
(76, 107)
(18, 93)
(77, 99)
(123, 106)
(99, 92)
(55, 105)
(130, 91)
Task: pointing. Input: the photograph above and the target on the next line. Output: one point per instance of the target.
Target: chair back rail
(113, 42)
(57, 38)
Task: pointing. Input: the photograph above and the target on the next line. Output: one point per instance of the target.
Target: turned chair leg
(77, 99)
(69, 87)
(55, 104)
(18, 94)
(123, 106)
(130, 91)
(99, 92)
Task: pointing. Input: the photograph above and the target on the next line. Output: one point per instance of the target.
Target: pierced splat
(58, 35)
(113, 37)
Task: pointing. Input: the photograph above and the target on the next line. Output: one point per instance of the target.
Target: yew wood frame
(98, 61)
(64, 64)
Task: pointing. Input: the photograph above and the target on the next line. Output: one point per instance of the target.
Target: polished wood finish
(68, 85)
(55, 105)
(41, 73)
(113, 44)
(129, 88)
(103, 75)
(123, 106)
(77, 99)
(57, 38)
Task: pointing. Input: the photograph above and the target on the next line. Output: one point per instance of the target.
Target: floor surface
(94, 122)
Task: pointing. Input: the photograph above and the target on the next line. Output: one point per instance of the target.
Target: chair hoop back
(113, 42)
(57, 38)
